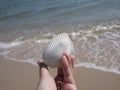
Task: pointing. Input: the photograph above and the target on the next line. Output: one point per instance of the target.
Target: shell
(60, 44)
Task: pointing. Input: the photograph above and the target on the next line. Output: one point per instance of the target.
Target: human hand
(46, 82)
(65, 80)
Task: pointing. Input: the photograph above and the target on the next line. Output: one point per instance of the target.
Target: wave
(97, 47)
(94, 66)
(15, 15)
(18, 42)
(9, 45)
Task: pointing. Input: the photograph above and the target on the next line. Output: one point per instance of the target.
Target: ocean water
(26, 26)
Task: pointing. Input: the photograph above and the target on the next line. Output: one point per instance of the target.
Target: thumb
(43, 69)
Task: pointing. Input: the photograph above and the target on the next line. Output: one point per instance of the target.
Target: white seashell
(60, 44)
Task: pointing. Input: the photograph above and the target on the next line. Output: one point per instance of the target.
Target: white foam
(16, 42)
(31, 61)
(99, 51)
(74, 33)
(49, 34)
(8, 45)
(94, 66)
(111, 35)
(42, 41)
(4, 52)
(108, 26)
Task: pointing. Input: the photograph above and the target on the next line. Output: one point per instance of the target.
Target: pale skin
(64, 79)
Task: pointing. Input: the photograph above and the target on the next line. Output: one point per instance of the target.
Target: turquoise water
(26, 26)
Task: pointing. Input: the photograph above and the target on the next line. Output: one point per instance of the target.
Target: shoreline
(24, 76)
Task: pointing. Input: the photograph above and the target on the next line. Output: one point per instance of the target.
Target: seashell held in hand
(60, 44)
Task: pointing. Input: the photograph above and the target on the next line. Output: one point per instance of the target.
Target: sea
(27, 26)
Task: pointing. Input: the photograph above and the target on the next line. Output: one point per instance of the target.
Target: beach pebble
(60, 44)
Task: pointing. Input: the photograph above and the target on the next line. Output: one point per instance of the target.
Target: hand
(46, 82)
(65, 80)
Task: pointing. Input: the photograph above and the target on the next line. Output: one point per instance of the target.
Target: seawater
(26, 26)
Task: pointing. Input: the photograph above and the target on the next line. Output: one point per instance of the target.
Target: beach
(27, 26)
(24, 76)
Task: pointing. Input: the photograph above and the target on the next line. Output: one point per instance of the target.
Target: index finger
(68, 75)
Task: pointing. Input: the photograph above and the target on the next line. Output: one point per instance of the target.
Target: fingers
(59, 81)
(70, 59)
(65, 73)
(59, 78)
(67, 65)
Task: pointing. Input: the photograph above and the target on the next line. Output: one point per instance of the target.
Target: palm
(62, 84)
(64, 79)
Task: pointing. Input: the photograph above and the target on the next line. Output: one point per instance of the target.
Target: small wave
(31, 61)
(15, 15)
(97, 48)
(86, 29)
(42, 41)
(9, 45)
(108, 26)
(94, 66)
(18, 42)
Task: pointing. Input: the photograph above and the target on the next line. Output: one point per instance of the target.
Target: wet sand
(24, 76)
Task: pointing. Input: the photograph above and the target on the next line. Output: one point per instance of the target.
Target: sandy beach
(27, 26)
(24, 76)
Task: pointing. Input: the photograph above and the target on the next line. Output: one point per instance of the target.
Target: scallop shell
(60, 44)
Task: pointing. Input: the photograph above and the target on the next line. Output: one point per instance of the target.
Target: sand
(24, 76)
